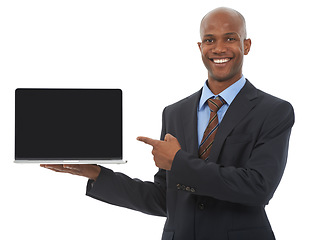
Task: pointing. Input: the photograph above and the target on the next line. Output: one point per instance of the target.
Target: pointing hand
(163, 151)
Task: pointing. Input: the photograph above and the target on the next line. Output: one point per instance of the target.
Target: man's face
(223, 46)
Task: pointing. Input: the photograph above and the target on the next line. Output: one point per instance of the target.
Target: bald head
(224, 14)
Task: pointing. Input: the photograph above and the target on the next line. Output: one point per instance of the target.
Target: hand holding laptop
(90, 171)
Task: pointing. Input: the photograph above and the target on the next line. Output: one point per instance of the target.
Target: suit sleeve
(120, 190)
(252, 184)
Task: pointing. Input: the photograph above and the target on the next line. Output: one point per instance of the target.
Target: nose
(219, 47)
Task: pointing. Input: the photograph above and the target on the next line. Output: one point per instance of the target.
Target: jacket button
(201, 206)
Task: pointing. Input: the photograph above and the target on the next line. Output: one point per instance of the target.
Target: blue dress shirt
(203, 111)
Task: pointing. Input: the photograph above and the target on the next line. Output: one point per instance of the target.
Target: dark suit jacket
(224, 198)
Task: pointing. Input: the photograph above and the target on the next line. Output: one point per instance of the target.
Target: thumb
(168, 137)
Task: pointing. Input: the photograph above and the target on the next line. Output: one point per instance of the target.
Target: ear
(247, 46)
(199, 45)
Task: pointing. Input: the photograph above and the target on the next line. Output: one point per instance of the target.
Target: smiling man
(222, 151)
(224, 43)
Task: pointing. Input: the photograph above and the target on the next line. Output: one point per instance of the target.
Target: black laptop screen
(69, 124)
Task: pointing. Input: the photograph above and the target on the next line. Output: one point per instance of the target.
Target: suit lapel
(189, 123)
(237, 110)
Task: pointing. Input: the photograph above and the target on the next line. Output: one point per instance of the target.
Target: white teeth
(224, 60)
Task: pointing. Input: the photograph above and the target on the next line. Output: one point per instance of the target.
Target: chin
(226, 76)
(222, 78)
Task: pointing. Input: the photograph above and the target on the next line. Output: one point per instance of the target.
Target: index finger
(148, 141)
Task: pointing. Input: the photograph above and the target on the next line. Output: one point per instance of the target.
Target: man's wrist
(95, 172)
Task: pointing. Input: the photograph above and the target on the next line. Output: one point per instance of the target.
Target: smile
(221, 60)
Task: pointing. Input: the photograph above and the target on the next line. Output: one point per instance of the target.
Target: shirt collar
(228, 94)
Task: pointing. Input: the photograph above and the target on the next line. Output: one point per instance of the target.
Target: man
(222, 151)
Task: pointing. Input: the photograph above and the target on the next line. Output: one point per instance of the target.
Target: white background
(147, 48)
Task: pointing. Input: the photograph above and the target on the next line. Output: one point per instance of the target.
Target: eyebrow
(208, 35)
(226, 34)
(231, 33)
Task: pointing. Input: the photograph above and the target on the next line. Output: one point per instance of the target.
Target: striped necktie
(211, 129)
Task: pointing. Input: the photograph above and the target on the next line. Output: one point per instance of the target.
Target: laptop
(68, 126)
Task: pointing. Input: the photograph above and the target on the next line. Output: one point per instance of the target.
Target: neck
(218, 86)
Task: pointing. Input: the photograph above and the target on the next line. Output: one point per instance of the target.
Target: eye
(209, 40)
(231, 39)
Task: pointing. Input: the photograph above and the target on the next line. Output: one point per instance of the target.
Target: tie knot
(215, 104)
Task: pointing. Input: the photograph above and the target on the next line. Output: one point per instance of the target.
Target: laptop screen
(65, 124)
